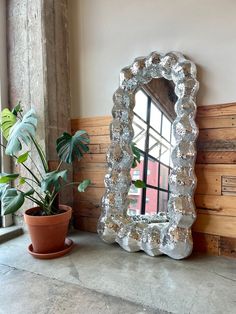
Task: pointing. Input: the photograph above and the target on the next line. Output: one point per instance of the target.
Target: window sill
(9, 233)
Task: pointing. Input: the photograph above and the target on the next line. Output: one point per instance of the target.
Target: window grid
(148, 157)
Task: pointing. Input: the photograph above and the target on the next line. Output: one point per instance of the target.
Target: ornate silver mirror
(155, 108)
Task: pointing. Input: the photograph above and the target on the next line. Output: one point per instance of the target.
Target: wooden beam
(217, 110)
(222, 134)
(216, 205)
(215, 224)
(214, 157)
(216, 122)
(206, 243)
(227, 247)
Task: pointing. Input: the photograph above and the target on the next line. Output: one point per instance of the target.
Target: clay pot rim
(51, 219)
(61, 206)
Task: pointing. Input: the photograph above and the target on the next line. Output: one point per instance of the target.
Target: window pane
(141, 101)
(165, 155)
(140, 129)
(155, 118)
(163, 200)
(137, 172)
(135, 197)
(135, 202)
(158, 146)
(151, 201)
(152, 172)
(164, 174)
(166, 128)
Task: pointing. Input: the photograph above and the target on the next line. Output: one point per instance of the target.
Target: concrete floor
(99, 278)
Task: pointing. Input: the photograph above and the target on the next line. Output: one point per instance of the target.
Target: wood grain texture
(216, 122)
(206, 243)
(216, 157)
(217, 205)
(216, 110)
(215, 224)
(227, 246)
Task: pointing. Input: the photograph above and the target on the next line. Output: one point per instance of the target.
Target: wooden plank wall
(215, 197)
(92, 166)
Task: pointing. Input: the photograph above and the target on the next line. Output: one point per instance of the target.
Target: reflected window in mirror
(152, 124)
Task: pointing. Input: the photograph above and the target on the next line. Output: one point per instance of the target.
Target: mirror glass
(152, 123)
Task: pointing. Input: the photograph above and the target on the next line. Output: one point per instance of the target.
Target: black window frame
(145, 154)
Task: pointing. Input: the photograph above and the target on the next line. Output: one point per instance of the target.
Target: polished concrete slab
(199, 284)
(28, 293)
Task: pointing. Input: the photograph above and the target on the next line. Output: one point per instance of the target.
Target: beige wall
(106, 35)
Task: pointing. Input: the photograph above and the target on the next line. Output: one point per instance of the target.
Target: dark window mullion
(145, 164)
(159, 171)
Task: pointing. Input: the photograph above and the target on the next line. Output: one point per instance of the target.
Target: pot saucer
(67, 247)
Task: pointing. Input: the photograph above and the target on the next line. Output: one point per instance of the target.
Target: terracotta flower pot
(48, 233)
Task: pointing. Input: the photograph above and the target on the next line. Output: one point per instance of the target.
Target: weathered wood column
(38, 65)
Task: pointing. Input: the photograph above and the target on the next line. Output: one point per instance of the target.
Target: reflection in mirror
(152, 123)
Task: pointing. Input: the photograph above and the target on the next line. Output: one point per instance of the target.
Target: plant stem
(65, 185)
(42, 199)
(35, 166)
(41, 153)
(58, 167)
(30, 180)
(33, 175)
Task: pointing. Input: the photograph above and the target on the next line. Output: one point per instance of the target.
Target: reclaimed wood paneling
(206, 243)
(215, 228)
(227, 246)
(216, 157)
(93, 166)
(216, 110)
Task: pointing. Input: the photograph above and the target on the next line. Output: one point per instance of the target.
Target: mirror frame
(168, 234)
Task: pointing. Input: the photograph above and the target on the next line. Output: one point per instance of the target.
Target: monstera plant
(37, 182)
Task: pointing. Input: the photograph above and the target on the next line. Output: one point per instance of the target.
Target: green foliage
(7, 120)
(23, 131)
(44, 186)
(22, 158)
(12, 200)
(29, 192)
(52, 180)
(136, 154)
(69, 147)
(137, 159)
(21, 181)
(8, 177)
(17, 109)
(139, 184)
(3, 187)
(83, 185)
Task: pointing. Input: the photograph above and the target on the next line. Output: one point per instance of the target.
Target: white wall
(106, 35)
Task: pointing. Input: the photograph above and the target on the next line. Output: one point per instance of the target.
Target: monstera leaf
(83, 185)
(51, 179)
(69, 147)
(22, 158)
(8, 119)
(136, 154)
(12, 200)
(22, 131)
(3, 187)
(139, 184)
(7, 177)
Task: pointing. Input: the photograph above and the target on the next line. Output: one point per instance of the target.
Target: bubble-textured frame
(169, 234)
